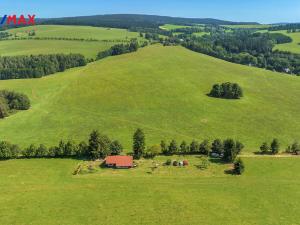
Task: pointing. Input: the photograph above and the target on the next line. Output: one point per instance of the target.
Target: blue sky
(264, 11)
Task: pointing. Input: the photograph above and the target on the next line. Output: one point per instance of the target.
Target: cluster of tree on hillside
(10, 101)
(226, 90)
(248, 48)
(291, 27)
(120, 49)
(16, 67)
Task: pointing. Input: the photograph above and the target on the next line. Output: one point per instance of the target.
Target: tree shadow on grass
(230, 172)
(217, 161)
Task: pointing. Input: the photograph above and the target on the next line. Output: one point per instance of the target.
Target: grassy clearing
(253, 26)
(44, 192)
(162, 90)
(290, 47)
(200, 34)
(35, 47)
(85, 32)
(172, 27)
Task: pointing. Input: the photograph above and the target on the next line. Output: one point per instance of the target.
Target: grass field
(35, 47)
(253, 26)
(45, 192)
(85, 32)
(162, 90)
(172, 27)
(291, 47)
(88, 49)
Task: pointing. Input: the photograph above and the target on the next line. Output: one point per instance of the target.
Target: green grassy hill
(291, 47)
(35, 47)
(85, 32)
(45, 192)
(162, 90)
(106, 38)
(172, 27)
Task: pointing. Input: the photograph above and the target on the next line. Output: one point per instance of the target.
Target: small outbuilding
(119, 162)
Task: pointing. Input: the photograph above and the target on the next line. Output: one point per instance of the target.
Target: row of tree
(98, 146)
(10, 101)
(120, 49)
(226, 90)
(274, 148)
(227, 149)
(17, 67)
(294, 26)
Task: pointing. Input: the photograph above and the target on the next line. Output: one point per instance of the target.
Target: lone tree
(164, 147)
(239, 166)
(99, 145)
(275, 146)
(231, 150)
(295, 148)
(264, 148)
(204, 147)
(173, 147)
(138, 144)
(194, 146)
(116, 148)
(217, 147)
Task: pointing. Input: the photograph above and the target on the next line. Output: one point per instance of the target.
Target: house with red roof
(119, 162)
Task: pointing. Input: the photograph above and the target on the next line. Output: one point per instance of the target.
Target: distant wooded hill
(133, 20)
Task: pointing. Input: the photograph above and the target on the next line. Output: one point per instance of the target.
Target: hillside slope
(162, 90)
(133, 20)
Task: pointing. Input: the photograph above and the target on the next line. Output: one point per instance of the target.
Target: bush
(204, 163)
(275, 146)
(152, 151)
(239, 167)
(168, 162)
(8, 151)
(10, 100)
(264, 148)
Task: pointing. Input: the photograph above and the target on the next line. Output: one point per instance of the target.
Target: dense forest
(20, 67)
(132, 20)
(11, 101)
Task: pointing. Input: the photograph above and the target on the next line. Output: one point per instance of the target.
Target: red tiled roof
(119, 161)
